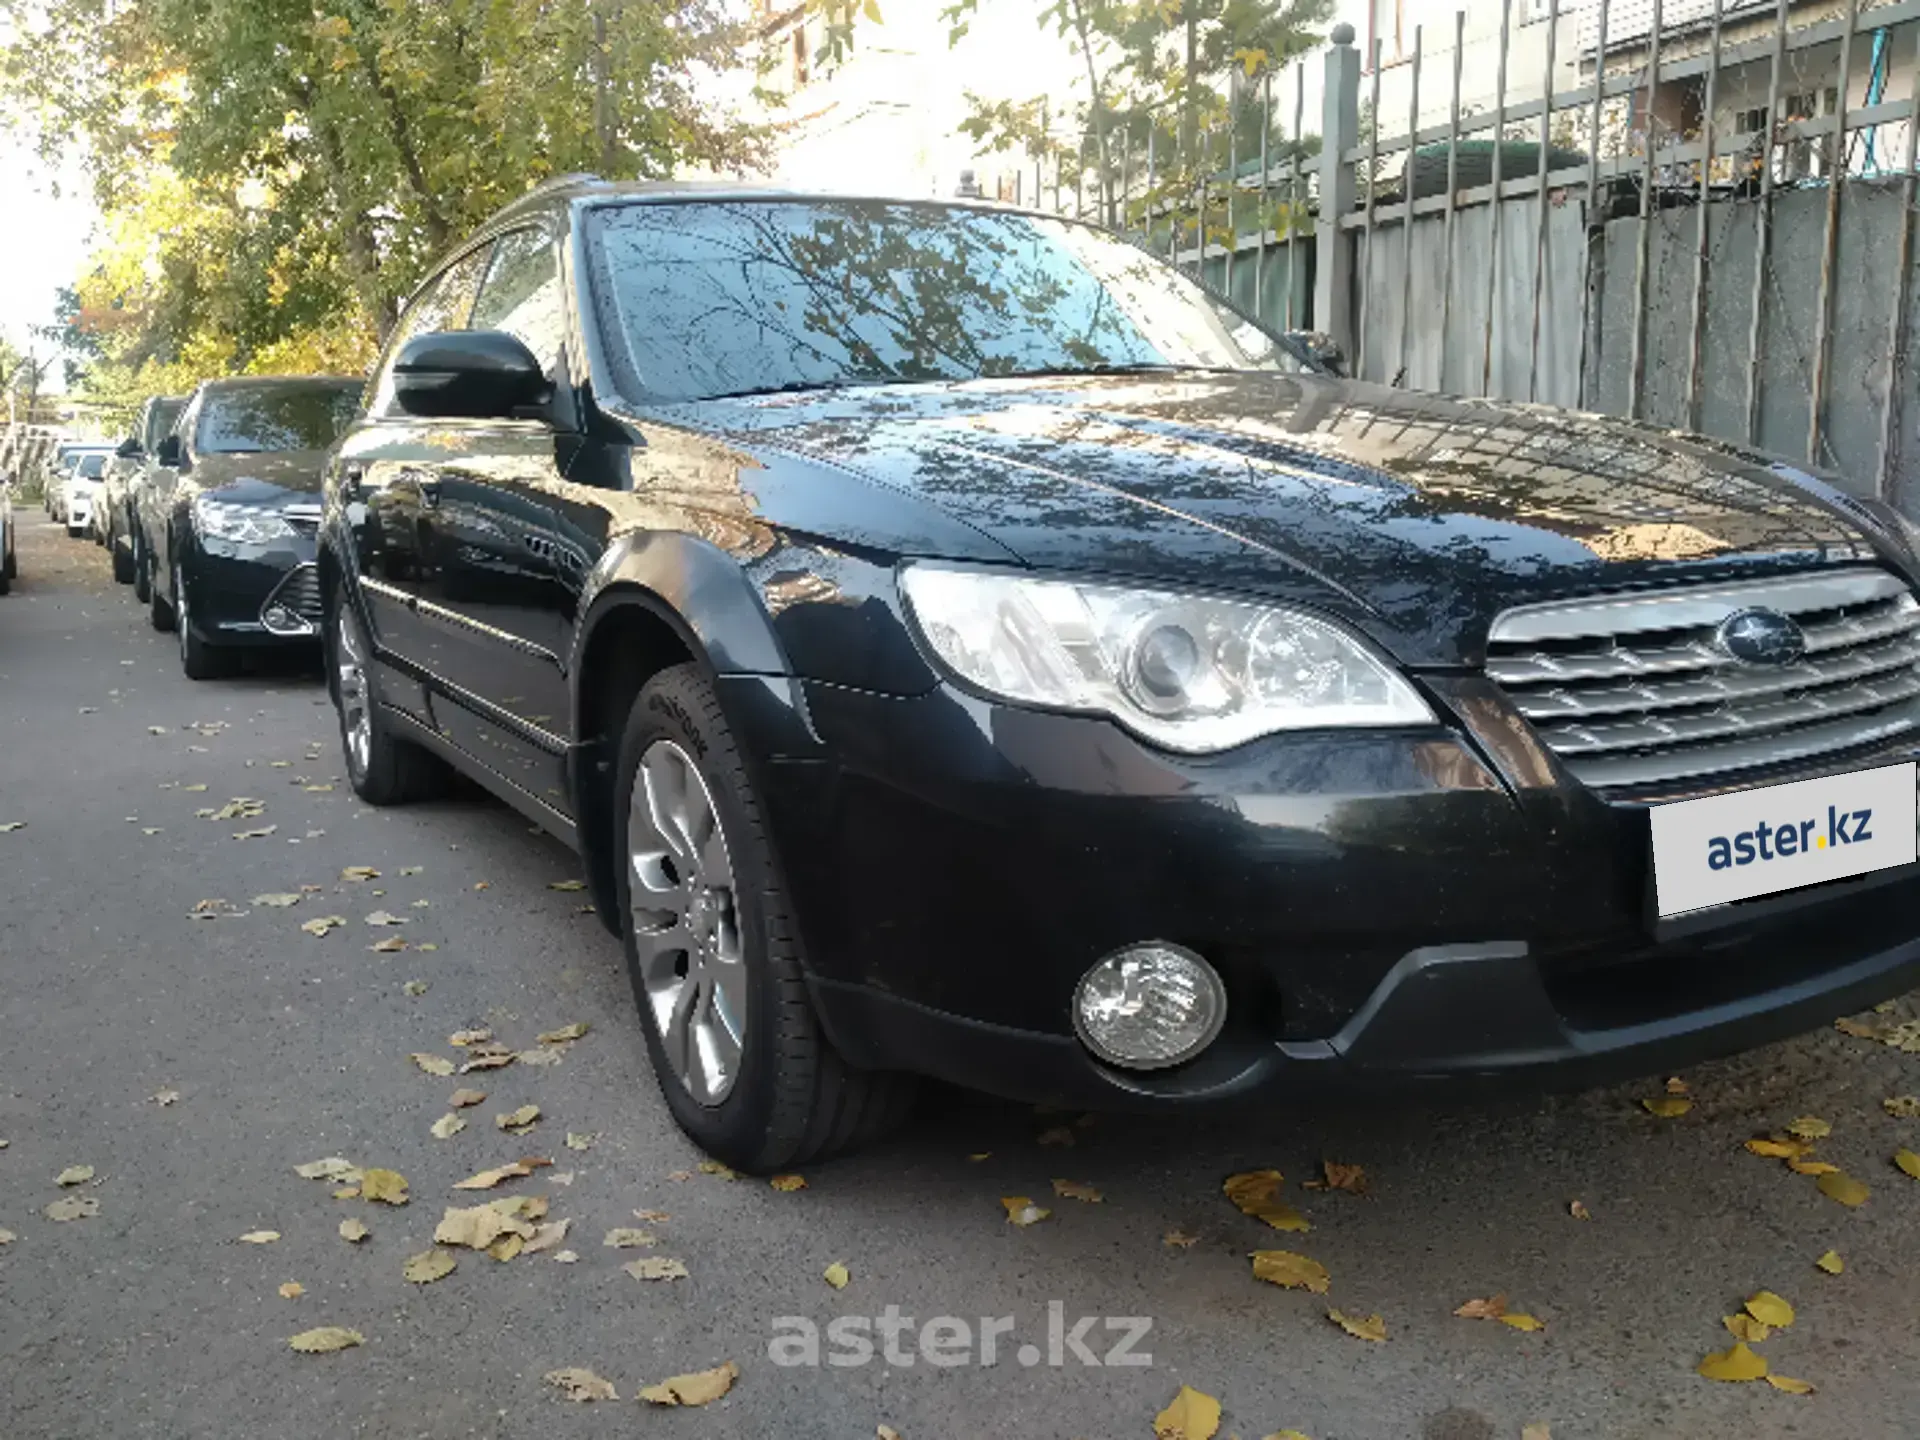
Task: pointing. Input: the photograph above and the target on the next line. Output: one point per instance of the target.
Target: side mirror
(129, 448)
(468, 374)
(169, 452)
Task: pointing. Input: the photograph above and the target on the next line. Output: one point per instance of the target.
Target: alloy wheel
(350, 679)
(686, 922)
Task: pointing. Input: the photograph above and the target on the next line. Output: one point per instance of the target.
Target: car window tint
(442, 305)
(522, 295)
(251, 418)
(91, 466)
(160, 422)
(739, 297)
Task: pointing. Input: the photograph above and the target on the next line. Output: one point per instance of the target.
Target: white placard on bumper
(1759, 842)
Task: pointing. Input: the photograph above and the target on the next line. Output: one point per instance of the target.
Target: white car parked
(84, 488)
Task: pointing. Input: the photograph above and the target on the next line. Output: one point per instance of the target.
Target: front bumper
(254, 595)
(1384, 907)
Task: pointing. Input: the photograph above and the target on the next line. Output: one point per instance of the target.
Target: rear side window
(160, 422)
(442, 305)
(522, 295)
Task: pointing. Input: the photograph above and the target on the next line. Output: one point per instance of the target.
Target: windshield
(91, 466)
(739, 297)
(243, 419)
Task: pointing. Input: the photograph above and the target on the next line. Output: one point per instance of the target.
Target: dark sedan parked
(958, 643)
(119, 525)
(233, 514)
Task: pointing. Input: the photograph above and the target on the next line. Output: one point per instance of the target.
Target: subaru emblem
(1762, 637)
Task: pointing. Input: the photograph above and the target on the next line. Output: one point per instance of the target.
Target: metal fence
(1643, 241)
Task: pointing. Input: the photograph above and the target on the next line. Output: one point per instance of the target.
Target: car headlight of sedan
(238, 524)
(1187, 672)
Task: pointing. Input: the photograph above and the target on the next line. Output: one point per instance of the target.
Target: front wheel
(142, 578)
(122, 561)
(382, 768)
(200, 660)
(713, 953)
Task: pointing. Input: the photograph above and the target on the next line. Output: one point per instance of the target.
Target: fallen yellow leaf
(1810, 1127)
(1792, 1387)
(491, 1061)
(428, 1266)
(292, 1290)
(518, 1122)
(714, 1167)
(1736, 1364)
(837, 1275)
(1256, 1193)
(331, 1168)
(326, 1339)
(1076, 1190)
(565, 1034)
(1295, 1272)
(1361, 1327)
(487, 1179)
(700, 1388)
(74, 1207)
(1842, 1187)
(1523, 1322)
(656, 1267)
(260, 1237)
(389, 1187)
(359, 872)
(506, 1247)
(353, 1231)
(1769, 1309)
(1745, 1327)
(1179, 1239)
(461, 1099)
(579, 1384)
(463, 1038)
(1831, 1262)
(788, 1183)
(1579, 1211)
(1351, 1178)
(1489, 1309)
(1778, 1148)
(568, 885)
(432, 1064)
(1022, 1211)
(74, 1175)
(1667, 1107)
(1802, 1166)
(1190, 1415)
(627, 1238)
(1908, 1162)
(1902, 1107)
(448, 1126)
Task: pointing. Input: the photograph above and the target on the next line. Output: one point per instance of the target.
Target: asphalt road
(152, 1319)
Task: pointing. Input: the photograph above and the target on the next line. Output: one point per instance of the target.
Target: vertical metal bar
(1233, 185)
(1897, 325)
(1636, 377)
(1266, 131)
(1080, 180)
(1123, 220)
(1493, 215)
(1453, 187)
(1696, 332)
(1836, 183)
(1763, 224)
(1293, 193)
(1540, 199)
(1039, 160)
(1361, 328)
(1406, 218)
(1205, 144)
(1596, 261)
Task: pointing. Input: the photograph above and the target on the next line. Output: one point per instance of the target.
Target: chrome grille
(300, 593)
(1635, 690)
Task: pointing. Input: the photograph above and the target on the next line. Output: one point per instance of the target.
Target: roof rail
(574, 177)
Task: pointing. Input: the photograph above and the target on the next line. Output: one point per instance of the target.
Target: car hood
(271, 478)
(1416, 517)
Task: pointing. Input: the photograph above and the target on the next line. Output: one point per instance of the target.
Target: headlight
(238, 524)
(1187, 672)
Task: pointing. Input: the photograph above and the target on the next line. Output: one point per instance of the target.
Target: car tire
(789, 1097)
(123, 564)
(199, 659)
(159, 612)
(142, 583)
(382, 768)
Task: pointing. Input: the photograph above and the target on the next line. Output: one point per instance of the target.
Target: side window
(522, 295)
(442, 305)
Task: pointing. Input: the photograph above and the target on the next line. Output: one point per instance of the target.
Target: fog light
(1149, 1006)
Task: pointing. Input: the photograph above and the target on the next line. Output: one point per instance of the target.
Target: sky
(45, 244)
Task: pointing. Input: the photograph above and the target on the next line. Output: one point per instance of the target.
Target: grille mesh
(300, 593)
(1636, 690)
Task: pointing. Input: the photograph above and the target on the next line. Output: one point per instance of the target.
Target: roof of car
(564, 190)
(252, 382)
